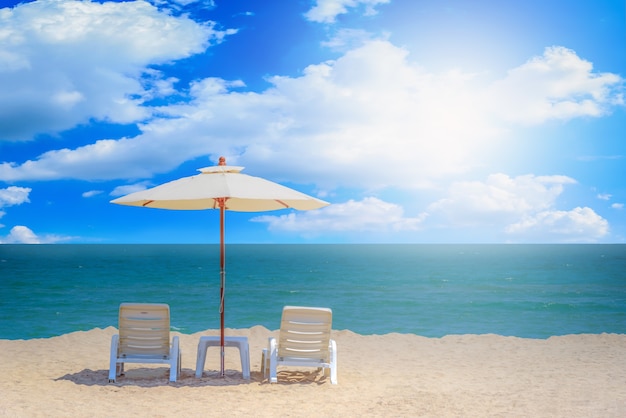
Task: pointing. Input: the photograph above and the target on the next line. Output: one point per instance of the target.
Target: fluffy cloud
(92, 193)
(20, 235)
(576, 225)
(523, 208)
(368, 215)
(356, 121)
(499, 199)
(130, 188)
(13, 195)
(326, 11)
(557, 85)
(24, 235)
(65, 62)
(371, 119)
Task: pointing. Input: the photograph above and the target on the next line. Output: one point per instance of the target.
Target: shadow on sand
(155, 377)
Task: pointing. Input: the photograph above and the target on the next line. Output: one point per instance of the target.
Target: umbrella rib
(148, 202)
(282, 203)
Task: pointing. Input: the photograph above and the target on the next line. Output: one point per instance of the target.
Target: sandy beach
(394, 375)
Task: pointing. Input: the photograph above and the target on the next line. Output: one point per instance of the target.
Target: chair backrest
(305, 333)
(144, 329)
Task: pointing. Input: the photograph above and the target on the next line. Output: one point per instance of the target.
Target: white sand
(393, 375)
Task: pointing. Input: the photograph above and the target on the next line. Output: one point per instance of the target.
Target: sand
(393, 375)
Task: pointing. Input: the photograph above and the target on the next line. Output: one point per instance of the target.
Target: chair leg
(244, 357)
(333, 362)
(175, 356)
(201, 357)
(273, 353)
(113, 364)
(264, 363)
(180, 362)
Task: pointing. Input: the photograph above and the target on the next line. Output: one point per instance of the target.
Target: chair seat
(304, 341)
(144, 337)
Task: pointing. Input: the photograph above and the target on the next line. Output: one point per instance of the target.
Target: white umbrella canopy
(225, 188)
(242, 193)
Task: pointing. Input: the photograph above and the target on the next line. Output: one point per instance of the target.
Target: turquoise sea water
(431, 290)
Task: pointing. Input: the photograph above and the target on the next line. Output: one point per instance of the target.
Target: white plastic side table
(210, 341)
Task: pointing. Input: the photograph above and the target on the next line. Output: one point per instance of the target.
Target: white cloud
(12, 196)
(368, 215)
(23, 235)
(20, 235)
(499, 199)
(92, 193)
(618, 206)
(65, 62)
(326, 126)
(373, 118)
(208, 4)
(129, 188)
(347, 39)
(370, 119)
(523, 208)
(326, 11)
(576, 225)
(557, 85)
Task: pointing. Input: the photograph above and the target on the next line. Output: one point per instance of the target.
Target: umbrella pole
(223, 284)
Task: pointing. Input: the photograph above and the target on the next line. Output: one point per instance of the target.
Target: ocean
(532, 291)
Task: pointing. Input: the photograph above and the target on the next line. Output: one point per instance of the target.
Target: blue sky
(420, 121)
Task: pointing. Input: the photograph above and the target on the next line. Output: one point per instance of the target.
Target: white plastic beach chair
(144, 337)
(304, 340)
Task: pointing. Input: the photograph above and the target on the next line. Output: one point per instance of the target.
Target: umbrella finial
(222, 161)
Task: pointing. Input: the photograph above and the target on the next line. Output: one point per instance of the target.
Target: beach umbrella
(225, 188)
